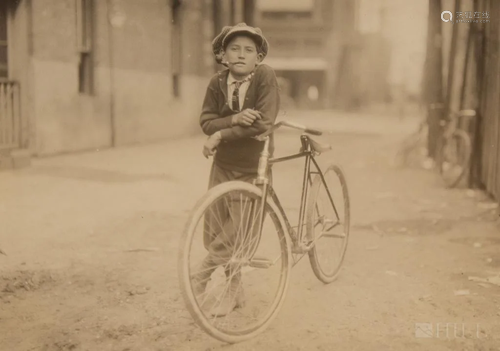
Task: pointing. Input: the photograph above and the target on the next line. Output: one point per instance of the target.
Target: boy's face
(241, 56)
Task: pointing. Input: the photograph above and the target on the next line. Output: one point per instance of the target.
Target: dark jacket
(238, 151)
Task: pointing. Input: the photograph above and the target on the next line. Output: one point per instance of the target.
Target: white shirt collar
(231, 79)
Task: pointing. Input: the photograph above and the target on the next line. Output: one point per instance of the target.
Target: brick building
(89, 74)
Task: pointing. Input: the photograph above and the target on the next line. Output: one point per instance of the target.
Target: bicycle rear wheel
(454, 158)
(224, 223)
(328, 221)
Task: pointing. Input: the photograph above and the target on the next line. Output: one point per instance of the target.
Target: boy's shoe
(200, 279)
(234, 298)
(199, 285)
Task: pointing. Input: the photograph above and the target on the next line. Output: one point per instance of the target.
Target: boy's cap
(254, 32)
(227, 33)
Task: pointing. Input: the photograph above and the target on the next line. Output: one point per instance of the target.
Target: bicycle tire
(406, 150)
(408, 153)
(318, 187)
(197, 215)
(460, 143)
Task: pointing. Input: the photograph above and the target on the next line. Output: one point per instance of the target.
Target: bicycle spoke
(233, 222)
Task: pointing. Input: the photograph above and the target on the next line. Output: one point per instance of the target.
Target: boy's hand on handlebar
(246, 117)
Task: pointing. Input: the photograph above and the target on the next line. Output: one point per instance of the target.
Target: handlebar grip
(467, 113)
(437, 105)
(313, 131)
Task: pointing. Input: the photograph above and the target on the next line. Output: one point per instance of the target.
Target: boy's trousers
(226, 221)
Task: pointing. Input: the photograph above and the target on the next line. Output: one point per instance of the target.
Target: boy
(241, 102)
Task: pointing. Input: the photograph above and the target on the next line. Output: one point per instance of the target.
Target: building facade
(88, 74)
(343, 53)
(310, 43)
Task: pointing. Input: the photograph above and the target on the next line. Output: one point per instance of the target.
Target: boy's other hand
(246, 117)
(211, 144)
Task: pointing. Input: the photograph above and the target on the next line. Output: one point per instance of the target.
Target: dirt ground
(92, 239)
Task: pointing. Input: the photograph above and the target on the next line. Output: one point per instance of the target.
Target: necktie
(236, 95)
(236, 92)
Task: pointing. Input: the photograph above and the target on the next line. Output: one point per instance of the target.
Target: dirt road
(91, 242)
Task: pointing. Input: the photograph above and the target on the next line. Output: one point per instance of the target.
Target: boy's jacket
(238, 151)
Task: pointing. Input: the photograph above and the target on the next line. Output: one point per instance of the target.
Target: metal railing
(10, 116)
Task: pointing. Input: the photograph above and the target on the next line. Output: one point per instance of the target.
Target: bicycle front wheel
(454, 158)
(233, 276)
(328, 221)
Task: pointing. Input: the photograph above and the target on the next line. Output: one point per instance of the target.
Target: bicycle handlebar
(463, 113)
(436, 106)
(302, 127)
(455, 115)
(290, 125)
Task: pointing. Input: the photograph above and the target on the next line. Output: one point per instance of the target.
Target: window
(176, 85)
(4, 71)
(84, 20)
(283, 6)
(286, 15)
(313, 44)
(290, 10)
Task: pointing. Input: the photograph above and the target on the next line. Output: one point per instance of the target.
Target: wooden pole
(433, 79)
(458, 59)
(472, 94)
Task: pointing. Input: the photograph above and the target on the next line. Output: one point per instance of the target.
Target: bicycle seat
(319, 147)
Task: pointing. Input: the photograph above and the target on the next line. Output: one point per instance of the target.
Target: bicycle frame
(450, 126)
(452, 122)
(299, 246)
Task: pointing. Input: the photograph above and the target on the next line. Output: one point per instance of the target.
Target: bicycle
(414, 148)
(265, 246)
(454, 149)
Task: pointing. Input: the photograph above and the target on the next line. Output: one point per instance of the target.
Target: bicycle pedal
(302, 249)
(261, 262)
(308, 246)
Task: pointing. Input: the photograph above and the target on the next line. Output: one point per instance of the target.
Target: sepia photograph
(249, 175)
